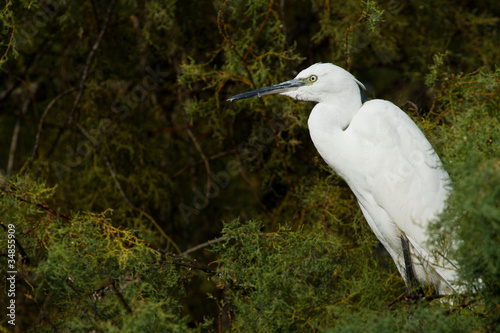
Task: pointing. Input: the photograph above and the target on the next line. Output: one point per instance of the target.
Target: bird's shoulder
(381, 113)
(403, 166)
(381, 122)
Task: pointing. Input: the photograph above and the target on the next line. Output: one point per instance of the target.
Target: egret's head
(318, 83)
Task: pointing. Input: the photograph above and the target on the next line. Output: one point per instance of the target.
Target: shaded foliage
(118, 151)
(91, 273)
(470, 154)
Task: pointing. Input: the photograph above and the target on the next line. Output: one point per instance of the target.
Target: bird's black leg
(413, 287)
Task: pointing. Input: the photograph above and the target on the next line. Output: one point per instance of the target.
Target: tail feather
(441, 273)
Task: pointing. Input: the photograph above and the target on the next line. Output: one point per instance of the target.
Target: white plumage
(387, 162)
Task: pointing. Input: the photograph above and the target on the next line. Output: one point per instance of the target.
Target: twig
(223, 31)
(22, 253)
(120, 189)
(348, 30)
(282, 157)
(415, 107)
(117, 183)
(461, 306)
(283, 23)
(44, 314)
(177, 258)
(397, 300)
(6, 93)
(323, 212)
(203, 245)
(7, 11)
(193, 264)
(43, 310)
(129, 283)
(96, 16)
(405, 296)
(211, 158)
(120, 297)
(260, 29)
(4, 182)
(85, 74)
(15, 138)
(298, 212)
(131, 205)
(245, 177)
(40, 126)
(205, 161)
(44, 207)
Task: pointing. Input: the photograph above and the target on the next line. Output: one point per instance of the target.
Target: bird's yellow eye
(313, 78)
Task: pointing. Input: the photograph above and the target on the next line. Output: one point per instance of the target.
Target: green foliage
(419, 318)
(375, 15)
(96, 276)
(116, 151)
(471, 146)
(297, 281)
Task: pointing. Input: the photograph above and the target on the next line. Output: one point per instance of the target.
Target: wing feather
(405, 186)
(405, 177)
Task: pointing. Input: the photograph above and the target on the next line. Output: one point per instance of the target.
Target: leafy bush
(120, 158)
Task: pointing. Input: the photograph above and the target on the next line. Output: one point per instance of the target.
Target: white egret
(386, 160)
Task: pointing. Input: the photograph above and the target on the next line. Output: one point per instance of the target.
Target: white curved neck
(333, 116)
(327, 126)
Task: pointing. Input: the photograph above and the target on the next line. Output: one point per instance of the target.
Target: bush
(120, 158)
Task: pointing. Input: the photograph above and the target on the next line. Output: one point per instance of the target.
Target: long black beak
(270, 90)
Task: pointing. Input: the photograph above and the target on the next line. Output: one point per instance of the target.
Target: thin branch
(96, 15)
(211, 158)
(203, 245)
(160, 229)
(260, 29)
(4, 182)
(282, 156)
(44, 207)
(417, 297)
(117, 183)
(323, 213)
(40, 126)
(85, 74)
(129, 283)
(43, 310)
(348, 30)
(298, 213)
(6, 93)
(458, 307)
(225, 34)
(129, 203)
(15, 138)
(177, 258)
(120, 297)
(44, 314)
(245, 177)
(22, 253)
(192, 264)
(205, 161)
(166, 129)
(415, 107)
(7, 11)
(122, 192)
